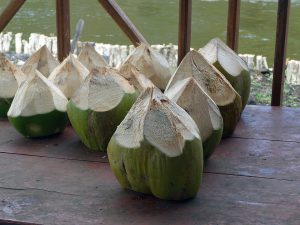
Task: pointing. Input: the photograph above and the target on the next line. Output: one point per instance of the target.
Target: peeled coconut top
(10, 78)
(189, 95)
(69, 75)
(161, 122)
(217, 51)
(150, 63)
(90, 58)
(102, 90)
(135, 77)
(208, 77)
(42, 60)
(37, 95)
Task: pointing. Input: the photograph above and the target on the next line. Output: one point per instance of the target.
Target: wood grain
(8, 13)
(63, 29)
(283, 13)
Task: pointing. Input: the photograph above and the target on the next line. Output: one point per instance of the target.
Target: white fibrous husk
(135, 78)
(215, 85)
(10, 78)
(37, 95)
(189, 95)
(159, 121)
(230, 65)
(42, 60)
(102, 90)
(192, 98)
(150, 63)
(69, 75)
(210, 79)
(217, 50)
(90, 58)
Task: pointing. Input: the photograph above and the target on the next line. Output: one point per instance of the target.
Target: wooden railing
(184, 31)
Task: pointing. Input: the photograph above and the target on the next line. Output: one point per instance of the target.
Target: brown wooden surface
(119, 16)
(63, 29)
(184, 30)
(251, 179)
(8, 13)
(233, 24)
(280, 51)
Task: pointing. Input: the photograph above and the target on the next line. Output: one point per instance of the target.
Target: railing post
(233, 24)
(63, 28)
(184, 31)
(9, 12)
(280, 51)
(118, 15)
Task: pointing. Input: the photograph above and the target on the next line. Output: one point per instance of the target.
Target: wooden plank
(269, 123)
(122, 20)
(55, 191)
(280, 51)
(184, 30)
(246, 181)
(233, 24)
(257, 158)
(8, 13)
(63, 28)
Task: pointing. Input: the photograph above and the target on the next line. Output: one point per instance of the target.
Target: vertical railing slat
(119, 16)
(8, 13)
(184, 31)
(280, 51)
(63, 28)
(233, 24)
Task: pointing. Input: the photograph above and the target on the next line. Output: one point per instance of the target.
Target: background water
(158, 22)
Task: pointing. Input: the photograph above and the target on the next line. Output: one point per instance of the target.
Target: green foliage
(261, 91)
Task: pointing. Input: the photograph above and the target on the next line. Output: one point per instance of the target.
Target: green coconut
(42, 60)
(90, 58)
(39, 108)
(150, 63)
(69, 75)
(99, 106)
(157, 149)
(215, 86)
(192, 98)
(10, 78)
(230, 65)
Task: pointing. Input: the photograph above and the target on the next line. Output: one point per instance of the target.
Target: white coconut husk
(69, 75)
(150, 63)
(135, 78)
(230, 65)
(42, 60)
(160, 121)
(189, 95)
(10, 78)
(90, 58)
(102, 90)
(215, 86)
(216, 50)
(209, 78)
(37, 95)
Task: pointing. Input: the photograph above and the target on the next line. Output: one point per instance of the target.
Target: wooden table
(253, 178)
